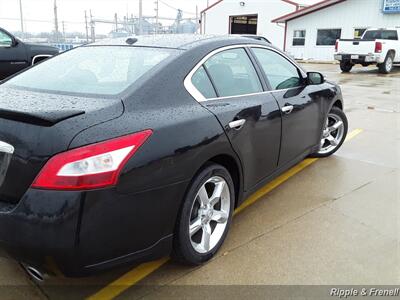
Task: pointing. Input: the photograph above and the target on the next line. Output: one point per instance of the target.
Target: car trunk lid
(38, 125)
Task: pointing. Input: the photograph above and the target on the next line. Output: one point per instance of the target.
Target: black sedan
(128, 150)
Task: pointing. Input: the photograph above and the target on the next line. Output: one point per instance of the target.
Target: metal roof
(307, 10)
(297, 5)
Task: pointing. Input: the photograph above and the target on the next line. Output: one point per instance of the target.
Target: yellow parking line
(285, 176)
(353, 133)
(116, 287)
(274, 183)
(129, 279)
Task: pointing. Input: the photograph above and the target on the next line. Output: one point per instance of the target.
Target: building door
(243, 24)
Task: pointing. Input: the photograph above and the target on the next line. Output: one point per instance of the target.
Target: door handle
(237, 124)
(287, 109)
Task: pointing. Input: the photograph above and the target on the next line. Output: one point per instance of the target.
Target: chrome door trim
(192, 90)
(6, 148)
(40, 56)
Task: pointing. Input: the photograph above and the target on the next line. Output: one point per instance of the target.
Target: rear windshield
(103, 70)
(380, 35)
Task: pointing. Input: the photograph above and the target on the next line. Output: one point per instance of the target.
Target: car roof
(381, 28)
(173, 41)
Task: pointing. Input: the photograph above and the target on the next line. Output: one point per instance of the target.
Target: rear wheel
(205, 216)
(387, 65)
(333, 134)
(346, 66)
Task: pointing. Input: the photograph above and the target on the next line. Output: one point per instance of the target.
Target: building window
(328, 37)
(358, 32)
(299, 38)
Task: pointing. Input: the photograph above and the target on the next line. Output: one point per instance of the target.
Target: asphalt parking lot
(331, 221)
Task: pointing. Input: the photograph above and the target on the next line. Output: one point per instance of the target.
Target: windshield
(380, 35)
(105, 70)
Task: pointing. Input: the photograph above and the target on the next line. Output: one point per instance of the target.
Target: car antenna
(131, 41)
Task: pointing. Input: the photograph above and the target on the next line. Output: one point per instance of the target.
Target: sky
(39, 16)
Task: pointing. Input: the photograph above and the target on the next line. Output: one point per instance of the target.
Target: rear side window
(281, 73)
(233, 73)
(381, 35)
(104, 70)
(202, 83)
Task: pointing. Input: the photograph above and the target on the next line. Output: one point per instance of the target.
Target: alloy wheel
(332, 134)
(389, 64)
(209, 215)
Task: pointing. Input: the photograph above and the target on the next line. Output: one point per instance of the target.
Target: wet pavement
(334, 223)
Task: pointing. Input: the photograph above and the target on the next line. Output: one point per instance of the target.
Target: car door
(12, 55)
(301, 106)
(231, 89)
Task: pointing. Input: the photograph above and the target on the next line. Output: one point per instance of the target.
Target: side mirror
(14, 42)
(315, 78)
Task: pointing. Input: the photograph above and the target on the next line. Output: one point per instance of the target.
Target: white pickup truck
(376, 46)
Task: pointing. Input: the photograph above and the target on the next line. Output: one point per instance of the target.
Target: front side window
(328, 37)
(103, 70)
(202, 83)
(5, 39)
(280, 72)
(299, 38)
(233, 73)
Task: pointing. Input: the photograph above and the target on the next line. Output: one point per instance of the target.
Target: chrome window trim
(40, 56)
(194, 92)
(6, 148)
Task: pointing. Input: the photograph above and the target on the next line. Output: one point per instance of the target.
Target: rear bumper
(77, 233)
(42, 227)
(358, 59)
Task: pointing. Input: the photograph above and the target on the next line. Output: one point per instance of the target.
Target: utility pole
(92, 29)
(116, 22)
(140, 17)
(87, 28)
(197, 18)
(63, 29)
(156, 9)
(132, 24)
(56, 20)
(22, 19)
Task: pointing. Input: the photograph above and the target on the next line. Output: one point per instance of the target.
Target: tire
(387, 65)
(192, 248)
(332, 139)
(346, 66)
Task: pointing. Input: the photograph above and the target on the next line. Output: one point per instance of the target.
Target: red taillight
(90, 167)
(336, 46)
(378, 47)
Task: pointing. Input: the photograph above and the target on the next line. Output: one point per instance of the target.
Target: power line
(40, 21)
(172, 7)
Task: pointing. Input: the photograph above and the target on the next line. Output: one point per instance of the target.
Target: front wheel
(333, 134)
(205, 216)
